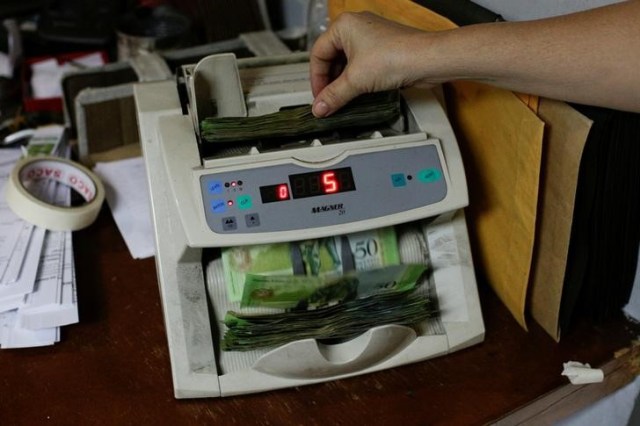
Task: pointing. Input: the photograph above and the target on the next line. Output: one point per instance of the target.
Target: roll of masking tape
(50, 216)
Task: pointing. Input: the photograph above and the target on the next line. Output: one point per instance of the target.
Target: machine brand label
(327, 208)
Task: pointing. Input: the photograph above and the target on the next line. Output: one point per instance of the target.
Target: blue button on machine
(215, 187)
(398, 179)
(218, 206)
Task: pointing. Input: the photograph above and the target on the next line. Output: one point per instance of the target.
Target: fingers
(329, 80)
(325, 53)
(334, 96)
(320, 73)
(357, 54)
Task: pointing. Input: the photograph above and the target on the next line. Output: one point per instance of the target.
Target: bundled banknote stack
(366, 110)
(330, 289)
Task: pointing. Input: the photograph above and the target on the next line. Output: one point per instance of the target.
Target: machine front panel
(289, 197)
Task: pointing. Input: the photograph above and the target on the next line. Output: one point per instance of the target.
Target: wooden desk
(113, 367)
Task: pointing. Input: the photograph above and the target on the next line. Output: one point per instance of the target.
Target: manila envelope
(565, 136)
(501, 140)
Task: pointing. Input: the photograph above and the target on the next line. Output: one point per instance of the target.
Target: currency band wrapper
(409, 172)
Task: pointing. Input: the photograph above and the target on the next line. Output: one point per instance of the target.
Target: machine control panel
(288, 197)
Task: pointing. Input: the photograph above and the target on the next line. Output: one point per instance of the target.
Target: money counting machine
(409, 172)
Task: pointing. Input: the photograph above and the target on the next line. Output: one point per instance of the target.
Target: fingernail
(320, 109)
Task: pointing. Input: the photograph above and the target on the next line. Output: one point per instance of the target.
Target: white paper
(11, 226)
(14, 336)
(128, 197)
(65, 310)
(26, 282)
(6, 67)
(446, 262)
(10, 303)
(16, 259)
(581, 374)
(46, 140)
(46, 79)
(9, 156)
(43, 307)
(632, 308)
(37, 279)
(18, 277)
(10, 233)
(48, 282)
(46, 75)
(16, 237)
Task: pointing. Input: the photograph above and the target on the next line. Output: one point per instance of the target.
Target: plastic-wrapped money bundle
(331, 288)
(327, 257)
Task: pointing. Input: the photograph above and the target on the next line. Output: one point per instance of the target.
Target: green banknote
(396, 304)
(298, 292)
(324, 257)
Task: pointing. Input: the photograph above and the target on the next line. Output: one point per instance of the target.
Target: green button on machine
(244, 202)
(429, 175)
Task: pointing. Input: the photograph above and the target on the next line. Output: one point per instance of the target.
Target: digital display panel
(322, 182)
(273, 193)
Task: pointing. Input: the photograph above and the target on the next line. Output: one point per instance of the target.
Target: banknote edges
(295, 292)
(366, 110)
(337, 311)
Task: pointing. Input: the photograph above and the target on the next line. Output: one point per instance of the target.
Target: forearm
(591, 57)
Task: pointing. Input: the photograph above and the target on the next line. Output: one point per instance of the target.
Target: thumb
(333, 97)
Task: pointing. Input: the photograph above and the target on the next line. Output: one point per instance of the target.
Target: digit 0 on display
(323, 182)
(273, 193)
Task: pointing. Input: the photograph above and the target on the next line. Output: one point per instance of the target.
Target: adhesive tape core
(50, 216)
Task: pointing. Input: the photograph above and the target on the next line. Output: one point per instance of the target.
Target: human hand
(362, 53)
(558, 57)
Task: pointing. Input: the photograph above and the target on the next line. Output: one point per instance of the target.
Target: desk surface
(113, 367)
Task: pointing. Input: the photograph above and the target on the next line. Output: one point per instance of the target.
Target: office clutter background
(88, 49)
(53, 53)
(74, 62)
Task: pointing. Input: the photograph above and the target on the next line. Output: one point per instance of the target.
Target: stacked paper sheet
(37, 279)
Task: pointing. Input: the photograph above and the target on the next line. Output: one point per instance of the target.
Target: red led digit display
(323, 182)
(283, 191)
(273, 193)
(310, 184)
(329, 182)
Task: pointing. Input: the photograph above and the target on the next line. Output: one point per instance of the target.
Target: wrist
(435, 57)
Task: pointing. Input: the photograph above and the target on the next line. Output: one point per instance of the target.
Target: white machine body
(201, 199)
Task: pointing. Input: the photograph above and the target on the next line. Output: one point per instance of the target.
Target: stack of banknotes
(366, 110)
(332, 288)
